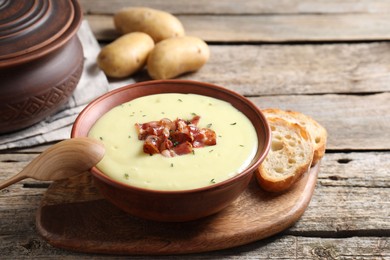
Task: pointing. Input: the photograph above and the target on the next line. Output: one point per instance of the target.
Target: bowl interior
(103, 104)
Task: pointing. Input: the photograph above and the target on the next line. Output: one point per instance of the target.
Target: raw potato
(175, 56)
(126, 55)
(158, 24)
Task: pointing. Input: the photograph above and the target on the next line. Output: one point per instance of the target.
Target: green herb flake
(143, 115)
(241, 145)
(180, 100)
(126, 175)
(209, 125)
(212, 181)
(211, 151)
(193, 152)
(171, 164)
(233, 123)
(101, 138)
(220, 136)
(193, 113)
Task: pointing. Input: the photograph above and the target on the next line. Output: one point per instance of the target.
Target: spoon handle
(14, 179)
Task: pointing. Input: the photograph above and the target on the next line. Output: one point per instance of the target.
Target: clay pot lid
(31, 29)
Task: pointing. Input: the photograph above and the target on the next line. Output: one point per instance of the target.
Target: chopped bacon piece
(195, 120)
(180, 137)
(181, 125)
(210, 137)
(168, 126)
(203, 137)
(198, 138)
(167, 123)
(151, 128)
(166, 144)
(151, 144)
(171, 138)
(183, 148)
(168, 153)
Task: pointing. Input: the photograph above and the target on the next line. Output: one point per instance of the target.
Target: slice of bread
(289, 157)
(317, 132)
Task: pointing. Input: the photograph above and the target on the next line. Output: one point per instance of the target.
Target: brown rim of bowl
(56, 44)
(252, 167)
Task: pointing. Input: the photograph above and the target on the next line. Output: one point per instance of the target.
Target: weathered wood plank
(29, 245)
(349, 198)
(246, 7)
(348, 217)
(351, 186)
(352, 169)
(270, 28)
(294, 69)
(352, 122)
(298, 69)
(28, 150)
(288, 28)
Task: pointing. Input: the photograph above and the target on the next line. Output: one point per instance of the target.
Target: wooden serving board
(73, 215)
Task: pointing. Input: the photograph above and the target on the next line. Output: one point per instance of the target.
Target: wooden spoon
(62, 160)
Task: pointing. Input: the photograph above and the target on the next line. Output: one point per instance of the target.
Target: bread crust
(289, 158)
(317, 132)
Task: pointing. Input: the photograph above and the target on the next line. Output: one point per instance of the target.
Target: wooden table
(327, 59)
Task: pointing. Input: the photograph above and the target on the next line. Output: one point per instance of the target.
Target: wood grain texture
(342, 85)
(352, 123)
(247, 7)
(269, 28)
(363, 180)
(28, 245)
(345, 183)
(254, 70)
(298, 69)
(345, 177)
(62, 160)
(357, 122)
(87, 223)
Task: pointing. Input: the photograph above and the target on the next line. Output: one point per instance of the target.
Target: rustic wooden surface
(329, 59)
(67, 218)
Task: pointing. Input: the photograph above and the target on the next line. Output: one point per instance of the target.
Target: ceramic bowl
(41, 59)
(182, 205)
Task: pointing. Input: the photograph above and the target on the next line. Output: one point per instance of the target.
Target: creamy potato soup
(126, 161)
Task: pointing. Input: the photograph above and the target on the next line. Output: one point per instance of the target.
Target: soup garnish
(170, 138)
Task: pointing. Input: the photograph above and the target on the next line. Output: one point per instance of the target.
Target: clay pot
(41, 59)
(182, 205)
